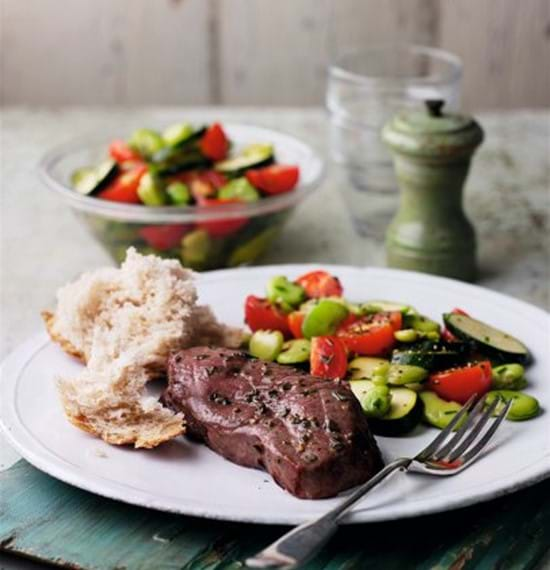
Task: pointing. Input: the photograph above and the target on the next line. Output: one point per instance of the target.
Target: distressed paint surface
(48, 520)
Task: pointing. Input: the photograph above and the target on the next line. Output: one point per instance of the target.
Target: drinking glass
(365, 88)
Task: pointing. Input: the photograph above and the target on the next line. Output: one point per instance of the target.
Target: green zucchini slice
(367, 368)
(375, 399)
(403, 416)
(429, 359)
(378, 306)
(182, 134)
(253, 156)
(495, 343)
(88, 180)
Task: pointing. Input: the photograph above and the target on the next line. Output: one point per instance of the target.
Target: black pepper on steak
(314, 441)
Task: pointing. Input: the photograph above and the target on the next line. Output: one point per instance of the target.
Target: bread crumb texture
(123, 323)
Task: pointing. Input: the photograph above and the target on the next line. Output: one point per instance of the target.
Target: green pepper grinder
(431, 155)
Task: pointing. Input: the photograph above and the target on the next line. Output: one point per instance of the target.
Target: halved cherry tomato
(295, 322)
(224, 226)
(124, 187)
(274, 179)
(121, 152)
(349, 320)
(214, 144)
(368, 336)
(446, 334)
(459, 384)
(329, 357)
(458, 311)
(260, 314)
(395, 318)
(164, 237)
(254, 176)
(320, 284)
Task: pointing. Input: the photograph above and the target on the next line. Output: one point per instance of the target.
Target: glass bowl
(201, 237)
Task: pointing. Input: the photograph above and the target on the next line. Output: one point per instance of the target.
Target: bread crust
(168, 432)
(49, 321)
(123, 324)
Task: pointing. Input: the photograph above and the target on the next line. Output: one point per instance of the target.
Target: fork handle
(303, 542)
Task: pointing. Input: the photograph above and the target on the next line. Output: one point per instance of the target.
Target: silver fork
(448, 454)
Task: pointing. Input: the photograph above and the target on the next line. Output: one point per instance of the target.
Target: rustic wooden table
(43, 245)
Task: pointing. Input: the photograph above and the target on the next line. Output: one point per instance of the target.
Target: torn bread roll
(123, 323)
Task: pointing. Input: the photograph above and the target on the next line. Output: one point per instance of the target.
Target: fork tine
(474, 452)
(475, 431)
(430, 448)
(468, 424)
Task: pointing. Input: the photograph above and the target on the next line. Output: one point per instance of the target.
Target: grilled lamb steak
(308, 433)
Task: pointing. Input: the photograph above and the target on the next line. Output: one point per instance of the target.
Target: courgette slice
(375, 399)
(253, 156)
(429, 359)
(170, 161)
(498, 345)
(88, 180)
(367, 368)
(182, 134)
(378, 306)
(403, 416)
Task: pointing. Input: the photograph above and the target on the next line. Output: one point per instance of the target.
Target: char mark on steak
(308, 433)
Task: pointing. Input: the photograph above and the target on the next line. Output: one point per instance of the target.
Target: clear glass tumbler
(365, 88)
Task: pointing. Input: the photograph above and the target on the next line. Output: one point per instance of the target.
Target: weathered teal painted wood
(46, 519)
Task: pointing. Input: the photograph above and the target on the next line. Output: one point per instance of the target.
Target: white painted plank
(168, 52)
(55, 52)
(58, 52)
(505, 45)
(276, 52)
(104, 52)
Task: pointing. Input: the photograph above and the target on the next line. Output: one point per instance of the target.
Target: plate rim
(19, 357)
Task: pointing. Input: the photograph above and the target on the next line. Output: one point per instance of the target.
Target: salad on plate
(403, 367)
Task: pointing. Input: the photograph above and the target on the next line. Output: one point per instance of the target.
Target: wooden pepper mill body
(430, 232)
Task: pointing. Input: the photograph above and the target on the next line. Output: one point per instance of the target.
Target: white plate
(188, 478)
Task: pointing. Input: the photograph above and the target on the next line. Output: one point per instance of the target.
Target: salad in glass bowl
(211, 196)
